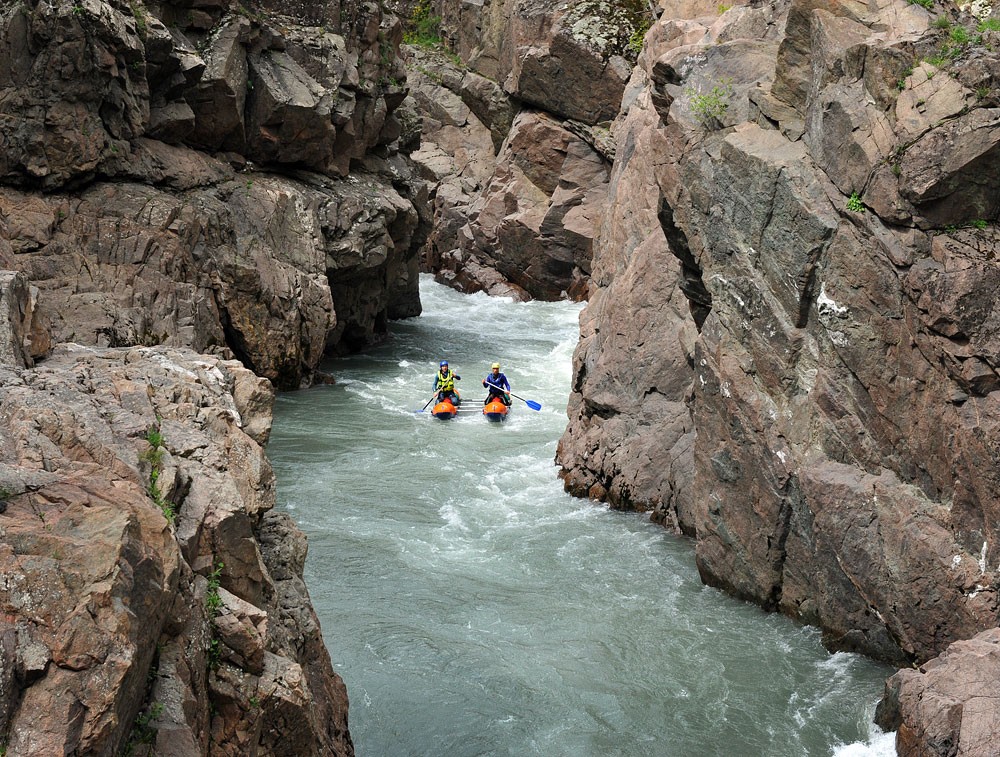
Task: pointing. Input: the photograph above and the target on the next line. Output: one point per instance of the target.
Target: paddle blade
(533, 405)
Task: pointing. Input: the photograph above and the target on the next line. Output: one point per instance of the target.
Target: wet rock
(949, 704)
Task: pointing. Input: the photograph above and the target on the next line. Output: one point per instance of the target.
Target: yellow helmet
(496, 365)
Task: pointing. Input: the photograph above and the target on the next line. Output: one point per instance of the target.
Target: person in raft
(498, 385)
(444, 384)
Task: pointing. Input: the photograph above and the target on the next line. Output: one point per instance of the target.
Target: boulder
(949, 704)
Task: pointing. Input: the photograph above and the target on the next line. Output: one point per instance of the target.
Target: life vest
(446, 381)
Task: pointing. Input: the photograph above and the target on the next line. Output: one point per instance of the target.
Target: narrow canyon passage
(473, 607)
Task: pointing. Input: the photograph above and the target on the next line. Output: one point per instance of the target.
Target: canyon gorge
(782, 217)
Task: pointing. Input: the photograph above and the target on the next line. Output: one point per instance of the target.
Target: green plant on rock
(423, 27)
(635, 41)
(213, 605)
(143, 729)
(709, 107)
(213, 602)
(960, 35)
(854, 203)
(928, 4)
(139, 13)
(989, 25)
(154, 456)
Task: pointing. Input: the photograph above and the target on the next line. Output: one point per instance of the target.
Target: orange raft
(445, 410)
(495, 410)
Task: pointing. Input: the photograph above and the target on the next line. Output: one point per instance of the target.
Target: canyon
(782, 217)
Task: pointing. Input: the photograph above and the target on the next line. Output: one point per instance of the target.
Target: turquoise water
(474, 608)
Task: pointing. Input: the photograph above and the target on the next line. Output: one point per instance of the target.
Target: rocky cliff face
(516, 141)
(789, 351)
(180, 185)
(150, 600)
(179, 175)
(789, 347)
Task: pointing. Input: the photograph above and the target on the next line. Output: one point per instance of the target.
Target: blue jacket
(499, 381)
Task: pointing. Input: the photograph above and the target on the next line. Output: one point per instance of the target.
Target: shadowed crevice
(692, 285)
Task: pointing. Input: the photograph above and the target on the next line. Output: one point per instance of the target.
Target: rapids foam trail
(474, 608)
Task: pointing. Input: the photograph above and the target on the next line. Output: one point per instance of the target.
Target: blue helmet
(443, 364)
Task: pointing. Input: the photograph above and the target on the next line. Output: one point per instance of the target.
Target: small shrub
(942, 22)
(635, 41)
(980, 224)
(709, 108)
(854, 203)
(139, 13)
(213, 602)
(143, 729)
(982, 92)
(989, 25)
(928, 4)
(424, 28)
(960, 35)
(154, 456)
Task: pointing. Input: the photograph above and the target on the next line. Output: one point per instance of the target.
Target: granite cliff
(198, 201)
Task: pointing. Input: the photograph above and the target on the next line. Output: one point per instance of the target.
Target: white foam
(879, 744)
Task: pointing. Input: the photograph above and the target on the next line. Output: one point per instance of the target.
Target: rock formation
(542, 80)
(179, 176)
(198, 201)
(789, 349)
(150, 598)
(949, 705)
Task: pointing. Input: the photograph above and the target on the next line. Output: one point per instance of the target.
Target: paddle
(530, 403)
(433, 397)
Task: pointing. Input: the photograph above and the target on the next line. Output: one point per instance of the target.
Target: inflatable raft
(445, 410)
(495, 410)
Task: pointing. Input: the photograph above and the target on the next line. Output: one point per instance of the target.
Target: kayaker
(498, 385)
(444, 384)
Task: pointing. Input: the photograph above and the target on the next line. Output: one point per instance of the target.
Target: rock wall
(150, 601)
(789, 351)
(518, 214)
(179, 176)
(198, 201)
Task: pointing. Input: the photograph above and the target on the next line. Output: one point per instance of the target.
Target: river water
(474, 608)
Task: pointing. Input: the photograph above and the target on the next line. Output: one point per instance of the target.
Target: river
(474, 608)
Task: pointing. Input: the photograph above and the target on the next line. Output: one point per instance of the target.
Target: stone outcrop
(149, 595)
(545, 79)
(197, 203)
(194, 164)
(789, 349)
(949, 705)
